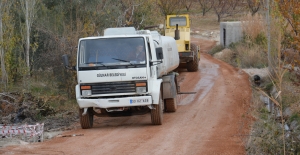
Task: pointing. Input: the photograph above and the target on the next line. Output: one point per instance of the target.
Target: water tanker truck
(112, 81)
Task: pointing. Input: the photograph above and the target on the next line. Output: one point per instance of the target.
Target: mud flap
(156, 91)
(169, 86)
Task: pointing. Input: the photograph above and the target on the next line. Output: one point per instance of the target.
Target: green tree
(6, 37)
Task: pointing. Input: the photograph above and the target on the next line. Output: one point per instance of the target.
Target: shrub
(261, 39)
(254, 27)
(216, 49)
(228, 56)
(266, 134)
(250, 56)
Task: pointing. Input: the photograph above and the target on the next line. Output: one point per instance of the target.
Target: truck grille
(113, 87)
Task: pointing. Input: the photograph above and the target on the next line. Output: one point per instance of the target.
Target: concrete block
(230, 32)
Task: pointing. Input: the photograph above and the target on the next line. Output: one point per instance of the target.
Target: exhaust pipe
(177, 36)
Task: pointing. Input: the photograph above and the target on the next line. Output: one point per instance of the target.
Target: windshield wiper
(101, 63)
(122, 60)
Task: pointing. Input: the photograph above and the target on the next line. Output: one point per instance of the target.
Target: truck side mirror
(159, 53)
(65, 60)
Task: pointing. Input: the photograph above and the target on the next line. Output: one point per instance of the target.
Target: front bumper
(186, 56)
(115, 102)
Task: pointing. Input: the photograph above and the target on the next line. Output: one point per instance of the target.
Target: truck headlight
(141, 87)
(140, 90)
(86, 92)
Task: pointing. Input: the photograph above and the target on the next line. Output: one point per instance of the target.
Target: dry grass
(277, 132)
(291, 91)
(253, 26)
(250, 56)
(226, 55)
(204, 23)
(251, 51)
(216, 49)
(265, 137)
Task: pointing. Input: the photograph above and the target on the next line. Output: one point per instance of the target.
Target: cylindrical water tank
(171, 57)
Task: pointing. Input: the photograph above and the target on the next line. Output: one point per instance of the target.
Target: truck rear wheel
(87, 120)
(157, 113)
(192, 66)
(171, 104)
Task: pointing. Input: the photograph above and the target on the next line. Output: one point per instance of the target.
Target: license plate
(133, 101)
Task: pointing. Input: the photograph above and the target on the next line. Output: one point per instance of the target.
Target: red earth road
(212, 121)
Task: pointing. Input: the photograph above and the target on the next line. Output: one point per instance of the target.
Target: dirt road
(212, 121)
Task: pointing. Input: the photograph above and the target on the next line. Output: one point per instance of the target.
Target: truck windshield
(112, 51)
(181, 21)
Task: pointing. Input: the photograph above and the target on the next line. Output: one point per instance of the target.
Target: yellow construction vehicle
(178, 26)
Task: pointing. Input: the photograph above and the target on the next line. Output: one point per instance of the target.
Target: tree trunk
(2, 54)
(27, 34)
(28, 7)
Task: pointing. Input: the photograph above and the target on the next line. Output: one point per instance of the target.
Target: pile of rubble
(23, 108)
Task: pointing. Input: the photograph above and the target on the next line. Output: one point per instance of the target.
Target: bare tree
(225, 8)
(136, 13)
(254, 5)
(222, 8)
(188, 4)
(168, 7)
(28, 7)
(206, 5)
(127, 15)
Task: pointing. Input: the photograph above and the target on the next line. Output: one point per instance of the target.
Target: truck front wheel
(157, 112)
(87, 120)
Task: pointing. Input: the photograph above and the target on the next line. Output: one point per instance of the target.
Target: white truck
(110, 83)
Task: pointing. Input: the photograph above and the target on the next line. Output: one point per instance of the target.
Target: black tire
(87, 120)
(103, 111)
(157, 112)
(192, 66)
(171, 105)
